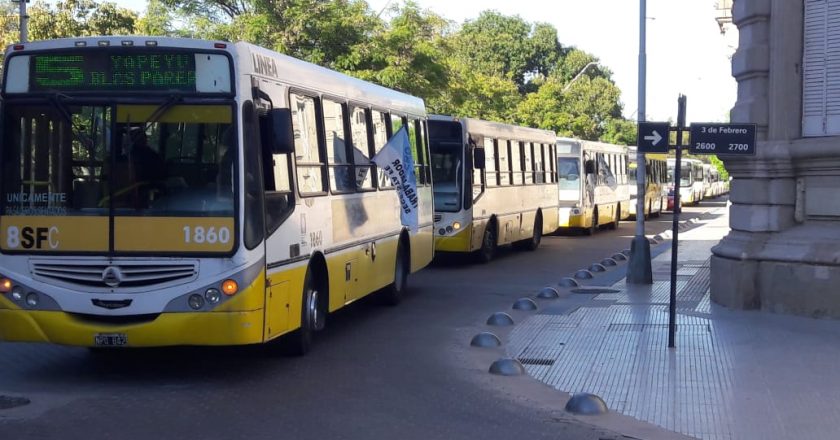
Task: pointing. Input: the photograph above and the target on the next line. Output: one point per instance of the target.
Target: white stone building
(783, 252)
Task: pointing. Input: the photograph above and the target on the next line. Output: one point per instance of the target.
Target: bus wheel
(535, 240)
(617, 220)
(312, 317)
(488, 244)
(394, 293)
(594, 225)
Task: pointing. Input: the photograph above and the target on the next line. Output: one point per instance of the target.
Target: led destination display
(113, 71)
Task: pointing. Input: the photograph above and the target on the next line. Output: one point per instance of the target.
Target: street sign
(722, 139)
(653, 137)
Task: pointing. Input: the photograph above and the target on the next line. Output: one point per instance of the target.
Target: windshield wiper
(82, 137)
(154, 117)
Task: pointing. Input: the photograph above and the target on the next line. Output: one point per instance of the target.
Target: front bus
(134, 207)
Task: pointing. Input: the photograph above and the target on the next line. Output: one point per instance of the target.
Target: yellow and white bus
(494, 185)
(656, 181)
(598, 196)
(183, 192)
(691, 181)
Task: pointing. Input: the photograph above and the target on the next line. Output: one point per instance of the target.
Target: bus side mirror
(278, 131)
(478, 158)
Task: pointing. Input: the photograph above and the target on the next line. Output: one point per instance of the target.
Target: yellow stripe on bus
(207, 114)
(54, 233)
(174, 234)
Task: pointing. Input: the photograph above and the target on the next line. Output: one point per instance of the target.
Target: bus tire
(488, 244)
(394, 293)
(534, 242)
(594, 225)
(614, 224)
(312, 316)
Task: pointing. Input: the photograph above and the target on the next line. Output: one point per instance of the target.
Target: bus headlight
(32, 299)
(196, 301)
(441, 231)
(17, 294)
(576, 211)
(449, 229)
(456, 226)
(213, 296)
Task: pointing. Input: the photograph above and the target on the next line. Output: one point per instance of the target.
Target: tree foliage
(79, 18)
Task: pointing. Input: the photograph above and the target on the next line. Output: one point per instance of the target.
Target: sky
(686, 52)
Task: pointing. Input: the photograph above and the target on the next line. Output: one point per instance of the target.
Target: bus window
(310, 168)
(528, 157)
(396, 124)
(552, 168)
(491, 169)
(415, 150)
(539, 163)
(516, 162)
(380, 138)
(337, 156)
(504, 163)
(361, 149)
(424, 176)
(569, 170)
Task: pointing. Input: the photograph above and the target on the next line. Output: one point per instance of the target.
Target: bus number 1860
(200, 234)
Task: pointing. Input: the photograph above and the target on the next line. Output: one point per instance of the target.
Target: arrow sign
(653, 137)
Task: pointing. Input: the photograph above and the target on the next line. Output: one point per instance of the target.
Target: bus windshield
(121, 160)
(685, 175)
(568, 169)
(447, 152)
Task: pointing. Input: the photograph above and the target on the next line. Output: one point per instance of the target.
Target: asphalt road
(376, 373)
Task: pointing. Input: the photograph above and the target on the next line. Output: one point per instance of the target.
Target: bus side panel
(285, 290)
(423, 240)
(422, 247)
(551, 219)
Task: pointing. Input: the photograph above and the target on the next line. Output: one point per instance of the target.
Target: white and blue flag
(396, 161)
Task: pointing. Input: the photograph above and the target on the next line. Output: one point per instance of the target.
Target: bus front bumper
(187, 328)
(460, 242)
(572, 218)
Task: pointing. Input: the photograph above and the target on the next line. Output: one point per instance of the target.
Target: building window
(821, 69)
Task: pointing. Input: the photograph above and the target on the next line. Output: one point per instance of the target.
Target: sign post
(705, 138)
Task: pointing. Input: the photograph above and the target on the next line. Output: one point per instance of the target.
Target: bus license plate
(110, 340)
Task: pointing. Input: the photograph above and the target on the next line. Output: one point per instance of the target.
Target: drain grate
(537, 361)
(9, 402)
(594, 290)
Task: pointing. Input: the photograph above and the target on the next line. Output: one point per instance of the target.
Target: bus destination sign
(94, 71)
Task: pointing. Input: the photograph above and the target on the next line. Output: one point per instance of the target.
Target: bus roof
(498, 129)
(117, 41)
(592, 145)
(298, 73)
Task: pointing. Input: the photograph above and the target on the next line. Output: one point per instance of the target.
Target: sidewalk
(733, 375)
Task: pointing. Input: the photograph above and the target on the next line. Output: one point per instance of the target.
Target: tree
(406, 55)
(586, 108)
(78, 18)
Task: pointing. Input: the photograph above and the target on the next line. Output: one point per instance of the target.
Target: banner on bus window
(396, 161)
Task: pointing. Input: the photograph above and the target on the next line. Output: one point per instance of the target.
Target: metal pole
(672, 306)
(24, 22)
(639, 270)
